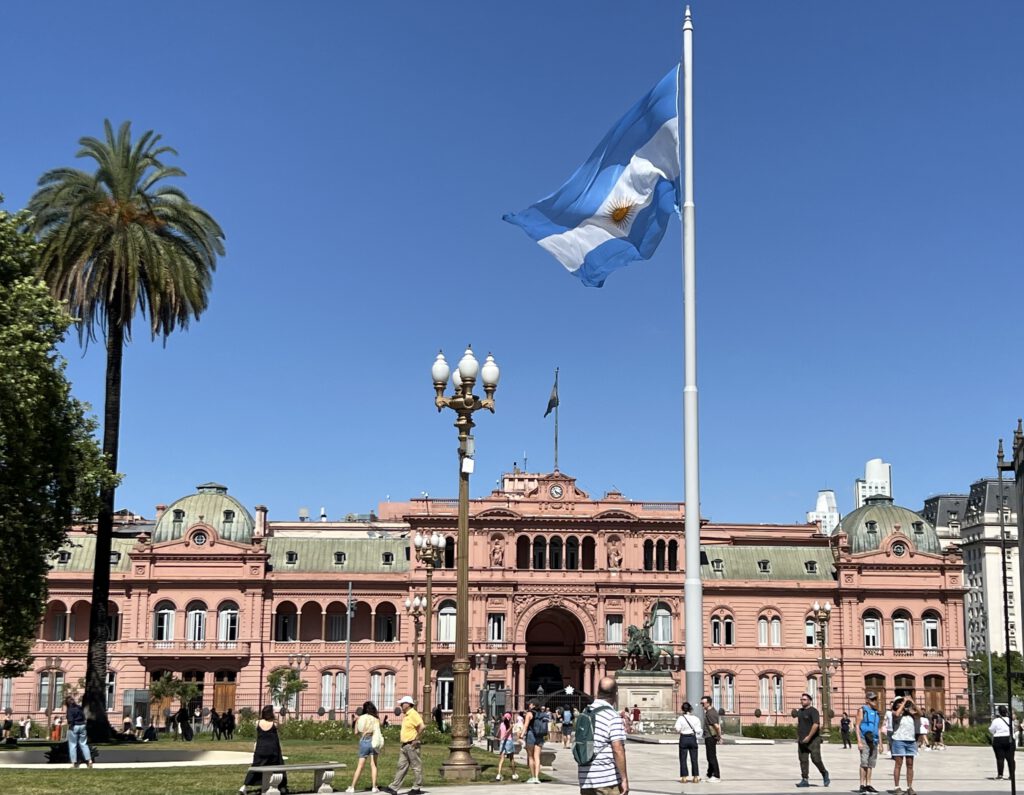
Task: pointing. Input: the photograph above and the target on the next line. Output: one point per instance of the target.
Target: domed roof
(869, 526)
(210, 505)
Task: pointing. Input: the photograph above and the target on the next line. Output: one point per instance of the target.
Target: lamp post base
(460, 766)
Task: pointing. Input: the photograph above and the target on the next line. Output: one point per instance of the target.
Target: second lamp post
(822, 613)
(460, 765)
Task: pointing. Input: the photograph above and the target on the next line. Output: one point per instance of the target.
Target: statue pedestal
(654, 692)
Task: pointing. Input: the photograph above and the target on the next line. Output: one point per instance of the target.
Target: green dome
(210, 505)
(869, 526)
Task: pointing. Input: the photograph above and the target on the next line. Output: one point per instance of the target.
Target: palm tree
(117, 241)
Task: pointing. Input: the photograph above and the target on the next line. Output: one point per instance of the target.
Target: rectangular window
(386, 629)
(60, 626)
(111, 690)
(931, 633)
(809, 633)
(762, 635)
(286, 627)
(227, 626)
(777, 687)
(375, 683)
(340, 687)
(336, 627)
(716, 691)
(326, 694)
(613, 629)
(716, 632)
(730, 686)
(729, 640)
(389, 691)
(776, 632)
(495, 627)
(901, 633)
(871, 639)
(6, 693)
(764, 694)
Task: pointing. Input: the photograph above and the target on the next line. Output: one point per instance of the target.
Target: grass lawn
(224, 779)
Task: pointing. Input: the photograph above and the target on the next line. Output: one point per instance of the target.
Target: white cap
(406, 700)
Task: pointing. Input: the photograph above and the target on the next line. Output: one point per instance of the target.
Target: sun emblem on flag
(621, 213)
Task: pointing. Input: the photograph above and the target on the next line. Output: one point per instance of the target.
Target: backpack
(869, 722)
(539, 726)
(583, 746)
(567, 715)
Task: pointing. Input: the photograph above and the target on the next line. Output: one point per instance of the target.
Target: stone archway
(555, 640)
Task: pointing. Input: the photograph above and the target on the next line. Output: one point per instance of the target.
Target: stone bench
(273, 775)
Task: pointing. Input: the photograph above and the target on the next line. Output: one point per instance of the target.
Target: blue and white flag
(617, 205)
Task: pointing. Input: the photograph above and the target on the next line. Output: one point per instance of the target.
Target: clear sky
(860, 231)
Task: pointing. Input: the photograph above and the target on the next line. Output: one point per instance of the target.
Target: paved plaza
(774, 768)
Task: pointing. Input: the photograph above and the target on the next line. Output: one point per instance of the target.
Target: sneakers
(896, 791)
(515, 777)
(713, 779)
(825, 781)
(871, 789)
(416, 791)
(374, 789)
(910, 791)
(498, 777)
(695, 779)
(804, 783)
(533, 780)
(350, 789)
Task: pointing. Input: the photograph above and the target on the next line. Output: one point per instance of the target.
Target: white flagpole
(693, 597)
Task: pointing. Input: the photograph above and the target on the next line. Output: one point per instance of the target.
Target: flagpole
(556, 420)
(693, 598)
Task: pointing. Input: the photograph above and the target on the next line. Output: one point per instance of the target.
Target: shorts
(508, 747)
(904, 748)
(532, 740)
(869, 755)
(366, 747)
(566, 728)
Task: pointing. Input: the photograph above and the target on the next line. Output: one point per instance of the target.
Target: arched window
(776, 631)
(286, 626)
(327, 690)
(51, 689)
(762, 631)
(445, 623)
(589, 553)
(872, 630)
(540, 547)
(722, 631)
(449, 556)
(659, 556)
(673, 556)
(716, 632)
(875, 683)
(648, 555)
(810, 632)
(195, 624)
(445, 689)
(812, 688)
(934, 693)
(522, 552)
(555, 553)
(904, 685)
(337, 622)
(572, 554)
(764, 693)
(662, 624)
(163, 624)
(778, 692)
(723, 687)
(341, 691)
(113, 624)
(730, 635)
(901, 630)
(930, 631)
(387, 623)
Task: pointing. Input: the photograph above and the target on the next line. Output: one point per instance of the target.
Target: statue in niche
(497, 553)
(614, 555)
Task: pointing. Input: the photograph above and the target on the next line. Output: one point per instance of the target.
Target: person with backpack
(690, 733)
(506, 745)
(599, 747)
(868, 723)
(536, 733)
(567, 717)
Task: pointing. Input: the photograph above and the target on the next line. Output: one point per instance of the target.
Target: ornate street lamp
(414, 609)
(460, 765)
(429, 552)
(822, 614)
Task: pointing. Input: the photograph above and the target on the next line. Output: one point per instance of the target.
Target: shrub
(968, 735)
(762, 732)
(332, 730)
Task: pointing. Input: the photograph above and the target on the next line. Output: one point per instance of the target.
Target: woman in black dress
(267, 750)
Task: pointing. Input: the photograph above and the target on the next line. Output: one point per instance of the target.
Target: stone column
(521, 688)
(323, 627)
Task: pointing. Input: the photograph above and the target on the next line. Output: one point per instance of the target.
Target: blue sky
(859, 241)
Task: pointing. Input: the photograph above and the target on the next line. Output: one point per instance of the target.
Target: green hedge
(762, 732)
(968, 735)
(332, 730)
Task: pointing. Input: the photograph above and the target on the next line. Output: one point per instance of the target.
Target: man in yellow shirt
(409, 754)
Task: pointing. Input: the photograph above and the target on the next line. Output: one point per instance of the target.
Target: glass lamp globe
(469, 367)
(490, 373)
(439, 372)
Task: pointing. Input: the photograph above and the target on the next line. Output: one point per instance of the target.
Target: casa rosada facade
(215, 594)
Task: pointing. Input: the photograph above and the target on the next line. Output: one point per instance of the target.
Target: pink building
(212, 593)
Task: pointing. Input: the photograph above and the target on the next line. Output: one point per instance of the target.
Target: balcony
(192, 648)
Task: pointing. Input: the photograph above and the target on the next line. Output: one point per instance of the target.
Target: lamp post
(414, 609)
(1002, 466)
(298, 663)
(460, 765)
(429, 551)
(967, 665)
(822, 613)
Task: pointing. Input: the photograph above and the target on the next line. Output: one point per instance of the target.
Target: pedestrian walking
(567, 719)
(8, 726)
(808, 739)
(638, 724)
(506, 745)
(689, 729)
(371, 742)
(536, 733)
(844, 729)
(925, 733)
(905, 737)
(712, 737)
(55, 731)
(229, 724)
(438, 718)
(938, 727)
(77, 739)
(138, 726)
(409, 754)
(26, 727)
(267, 750)
(1002, 743)
(215, 724)
(885, 731)
(605, 772)
(868, 723)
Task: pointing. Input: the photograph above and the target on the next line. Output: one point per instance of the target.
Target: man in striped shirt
(606, 773)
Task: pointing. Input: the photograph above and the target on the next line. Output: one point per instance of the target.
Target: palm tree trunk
(96, 670)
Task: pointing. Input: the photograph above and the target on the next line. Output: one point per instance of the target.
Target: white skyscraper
(825, 511)
(877, 480)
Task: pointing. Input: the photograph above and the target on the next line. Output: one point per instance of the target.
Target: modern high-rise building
(877, 480)
(825, 512)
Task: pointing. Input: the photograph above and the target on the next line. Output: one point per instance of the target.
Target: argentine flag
(615, 208)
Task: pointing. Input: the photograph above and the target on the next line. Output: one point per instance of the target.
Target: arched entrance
(555, 641)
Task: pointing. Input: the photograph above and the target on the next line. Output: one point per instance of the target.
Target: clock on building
(556, 491)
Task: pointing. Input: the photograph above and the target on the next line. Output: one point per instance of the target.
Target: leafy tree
(283, 684)
(117, 241)
(979, 664)
(51, 469)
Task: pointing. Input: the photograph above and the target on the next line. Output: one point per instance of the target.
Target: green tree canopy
(51, 469)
